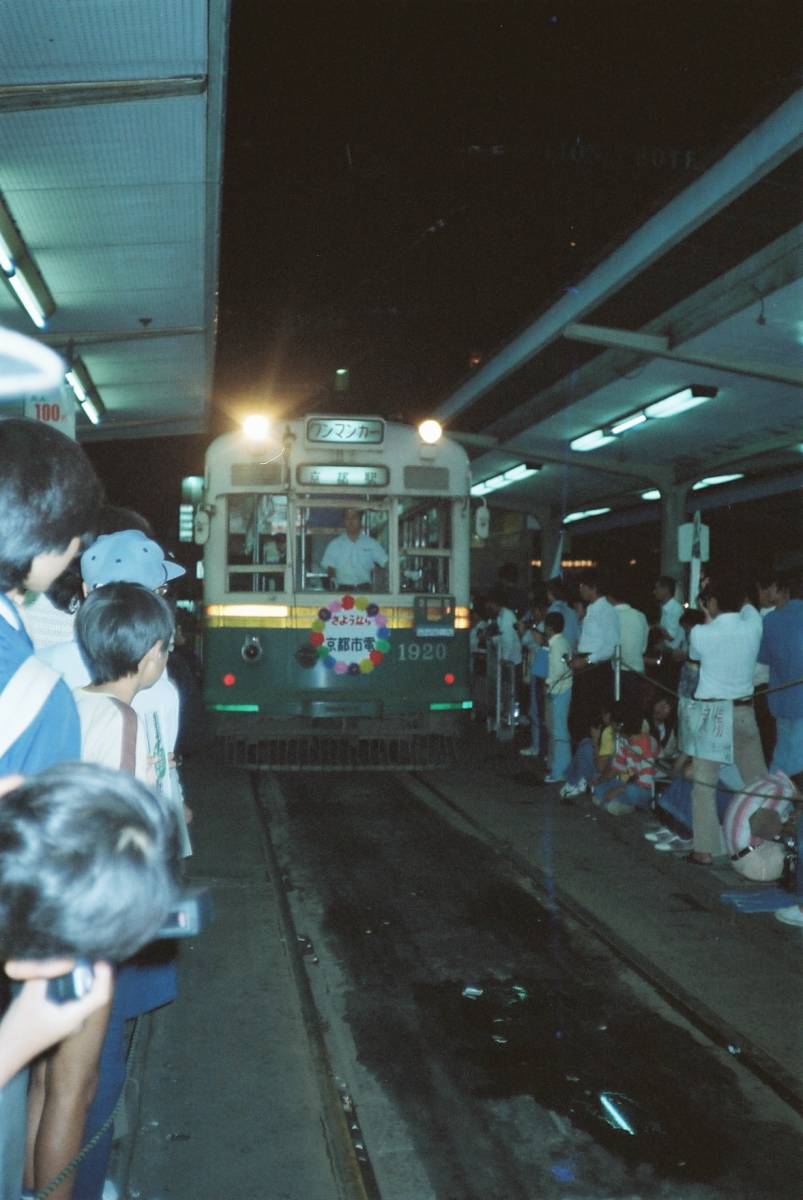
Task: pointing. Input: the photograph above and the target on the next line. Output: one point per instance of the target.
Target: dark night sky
(406, 184)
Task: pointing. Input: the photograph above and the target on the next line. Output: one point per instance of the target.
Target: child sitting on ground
(632, 777)
(593, 757)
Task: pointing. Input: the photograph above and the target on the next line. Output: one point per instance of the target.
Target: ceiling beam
(22, 97)
(567, 458)
(743, 166)
(657, 346)
(781, 441)
(99, 337)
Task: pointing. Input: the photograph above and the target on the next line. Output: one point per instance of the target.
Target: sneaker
(110, 1191)
(659, 835)
(793, 915)
(677, 844)
(554, 779)
(574, 789)
(617, 809)
(528, 752)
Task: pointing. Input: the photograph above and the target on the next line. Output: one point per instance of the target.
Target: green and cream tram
(304, 666)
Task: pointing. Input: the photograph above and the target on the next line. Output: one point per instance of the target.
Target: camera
(191, 916)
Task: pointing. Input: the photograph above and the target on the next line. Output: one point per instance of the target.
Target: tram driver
(350, 560)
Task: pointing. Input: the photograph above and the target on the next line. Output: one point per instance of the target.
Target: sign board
(342, 476)
(350, 636)
(56, 409)
(344, 431)
(688, 542)
(706, 729)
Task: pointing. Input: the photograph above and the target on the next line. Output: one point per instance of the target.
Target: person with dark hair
(633, 770)
(593, 678)
(726, 648)
(66, 894)
(49, 497)
(558, 601)
(671, 612)
(123, 632)
(558, 691)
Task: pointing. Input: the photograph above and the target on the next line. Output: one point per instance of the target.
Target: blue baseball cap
(127, 557)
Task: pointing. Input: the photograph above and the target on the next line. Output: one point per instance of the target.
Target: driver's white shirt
(353, 561)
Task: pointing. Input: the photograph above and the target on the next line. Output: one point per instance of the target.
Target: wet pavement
(520, 1058)
(414, 978)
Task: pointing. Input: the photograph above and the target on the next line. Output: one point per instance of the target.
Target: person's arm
(32, 1023)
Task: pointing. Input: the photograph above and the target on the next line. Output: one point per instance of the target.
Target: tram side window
(341, 548)
(256, 542)
(425, 544)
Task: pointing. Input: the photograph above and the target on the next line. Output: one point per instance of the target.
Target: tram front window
(425, 541)
(256, 542)
(342, 549)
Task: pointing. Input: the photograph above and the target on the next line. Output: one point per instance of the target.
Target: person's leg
(12, 1134)
(788, 755)
(72, 1073)
(535, 721)
(706, 829)
(747, 751)
(582, 764)
(633, 797)
(91, 1174)
(561, 754)
(675, 802)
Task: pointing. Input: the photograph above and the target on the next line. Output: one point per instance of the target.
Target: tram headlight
(256, 427)
(430, 431)
(251, 649)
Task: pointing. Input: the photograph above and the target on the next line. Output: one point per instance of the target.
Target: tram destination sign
(344, 431)
(337, 475)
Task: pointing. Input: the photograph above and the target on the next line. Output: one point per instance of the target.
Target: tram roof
(706, 292)
(111, 128)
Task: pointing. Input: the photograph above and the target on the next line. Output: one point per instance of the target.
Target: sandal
(696, 861)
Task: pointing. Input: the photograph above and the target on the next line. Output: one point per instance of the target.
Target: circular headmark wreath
(351, 635)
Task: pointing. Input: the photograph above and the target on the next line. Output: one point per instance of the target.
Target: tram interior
(258, 530)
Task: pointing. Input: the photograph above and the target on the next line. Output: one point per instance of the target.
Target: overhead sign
(56, 409)
(345, 431)
(340, 476)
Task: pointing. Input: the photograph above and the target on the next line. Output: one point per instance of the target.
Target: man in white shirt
(593, 673)
(726, 648)
(671, 612)
(633, 631)
(350, 559)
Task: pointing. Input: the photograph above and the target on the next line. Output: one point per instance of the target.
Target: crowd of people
(93, 826)
(694, 716)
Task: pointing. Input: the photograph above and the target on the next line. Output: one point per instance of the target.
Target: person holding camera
(123, 631)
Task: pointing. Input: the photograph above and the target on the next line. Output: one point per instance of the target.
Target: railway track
(477, 1040)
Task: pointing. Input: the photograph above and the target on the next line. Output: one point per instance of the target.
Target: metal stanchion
(617, 674)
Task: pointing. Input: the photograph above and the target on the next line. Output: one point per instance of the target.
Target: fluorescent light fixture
(680, 402)
(581, 516)
(714, 480)
(651, 494)
(591, 441)
(21, 272)
(342, 371)
(614, 1114)
(27, 299)
(27, 366)
(6, 257)
(513, 475)
(84, 390)
(626, 423)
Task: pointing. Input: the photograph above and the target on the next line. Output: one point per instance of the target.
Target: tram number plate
(428, 652)
(358, 431)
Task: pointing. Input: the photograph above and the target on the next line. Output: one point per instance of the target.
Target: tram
(304, 667)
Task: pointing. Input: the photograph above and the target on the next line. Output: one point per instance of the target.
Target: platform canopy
(704, 299)
(111, 133)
